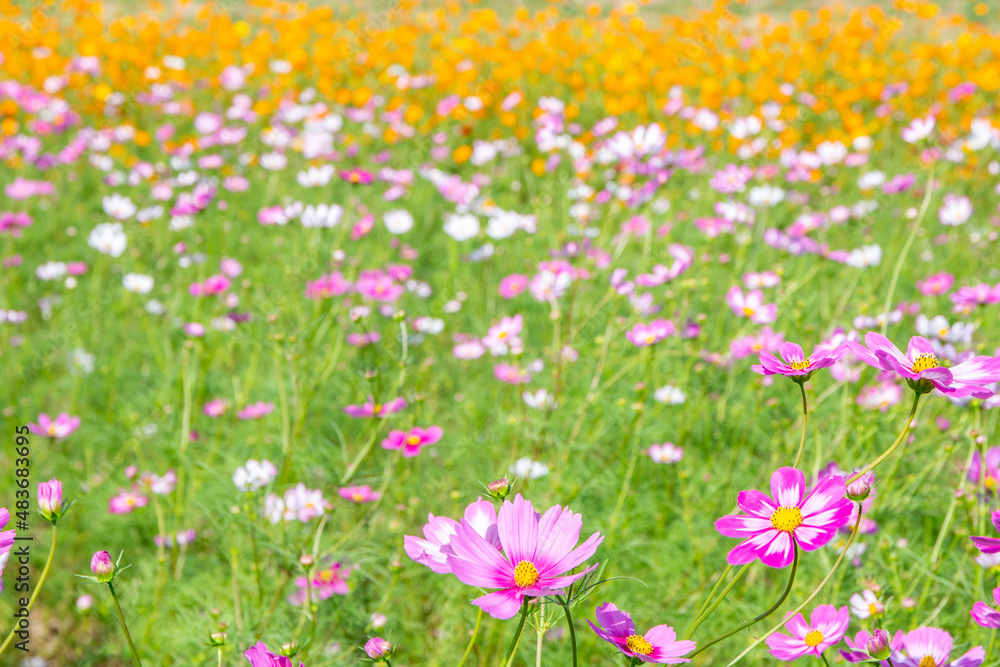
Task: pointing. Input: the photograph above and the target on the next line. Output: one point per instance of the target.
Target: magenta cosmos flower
(60, 427)
(256, 410)
(538, 551)
(658, 645)
(792, 516)
(827, 626)
(359, 494)
(794, 363)
(751, 305)
(259, 656)
(433, 551)
(644, 335)
(372, 409)
(985, 615)
(931, 647)
(862, 642)
(410, 442)
(919, 366)
(989, 545)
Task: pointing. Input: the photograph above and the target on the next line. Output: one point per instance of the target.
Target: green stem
(253, 544)
(708, 600)
(34, 594)
(765, 614)
(121, 617)
(825, 661)
(472, 641)
(887, 453)
(509, 655)
(572, 629)
(805, 420)
(760, 640)
(703, 616)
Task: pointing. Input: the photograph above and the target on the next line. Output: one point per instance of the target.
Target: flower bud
(862, 487)
(217, 639)
(50, 499)
(378, 648)
(102, 566)
(499, 489)
(878, 645)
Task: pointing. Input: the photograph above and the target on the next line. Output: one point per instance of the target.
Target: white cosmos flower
(956, 210)
(399, 221)
(670, 395)
(321, 215)
(138, 283)
(461, 226)
(108, 238)
(315, 176)
(118, 206)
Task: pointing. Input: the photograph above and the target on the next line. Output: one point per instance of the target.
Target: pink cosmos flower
(538, 551)
(667, 452)
(256, 410)
(298, 503)
(919, 366)
(989, 545)
(932, 646)
(512, 285)
(357, 176)
(378, 286)
(327, 582)
(511, 374)
(503, 337)
(126, 502)
(359, 494)
(259, 656)
(362, 339)
(328, 285)
(751, 305)
(439, 530)
(372, 409)
(62, 426)
(880, 396)
(644, 335)
(985, 615)
(967, 298)
(6, 539)
(936, 283)
(992, 476)
(50, 499)
(794, 363)
(216, 407)
(827, 625)
(773, 525)
(411, 442)
(659, 645)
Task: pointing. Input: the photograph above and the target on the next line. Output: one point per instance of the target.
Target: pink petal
(788, 486)
(500, 604)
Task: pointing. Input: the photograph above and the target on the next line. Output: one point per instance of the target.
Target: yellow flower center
(873, 609)
(650, 338)
(355, 178)
(525, 574)
(357, 497)
(800, 365)
(503, 334)
(927, 661)
(377, 408)
(413, 440)
(748, 311)
(786, 519)
(52, 429)
(814, 638)
(942, 333)
(924, 362)
(638, 644)
(989, 482)
(325, 576)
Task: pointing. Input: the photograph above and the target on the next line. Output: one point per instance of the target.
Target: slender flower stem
(509, 655)
(760, 640)
(220, 656)
(572, 629)
(763, 615)
(251, 516)
(887, 453)
(632, 430)
(38, 587)
(825, 661)
(805, 420)
(472, 640)
(121, 617)
(703, 616)
(708, 600)
(889, 660)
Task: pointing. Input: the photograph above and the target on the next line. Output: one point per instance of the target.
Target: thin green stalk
(472, 640)
(805, 420)
(121, 617)
(708, 600)
(253, 545)
(763, 615)
(703, 616)
(887, 453)
(572, 629)
(34, 594)
(760, 640)
(512, 648)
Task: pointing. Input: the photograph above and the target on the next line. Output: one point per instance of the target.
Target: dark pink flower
(410, 442)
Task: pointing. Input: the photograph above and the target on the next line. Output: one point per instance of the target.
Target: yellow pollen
(873, 609)
(989, 482)
(355, 178)
(638, 644)
(326, 576)
(130, 501)
(413, 440)
(942, 333)
(525, 574)
(924, 362)
(377, 408)
(357, 497)
(650, 338)
(927, 661)
(786, 519)
(748, 311)
(800, 365)
(814, 638)
(503, 334)
(52, 429)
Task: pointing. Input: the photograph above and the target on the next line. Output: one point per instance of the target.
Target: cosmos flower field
(439, 333)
